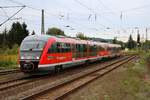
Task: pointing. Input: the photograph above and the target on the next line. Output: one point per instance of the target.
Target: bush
(8, 57)
(147, 60)
(8, 61)
(5, 50)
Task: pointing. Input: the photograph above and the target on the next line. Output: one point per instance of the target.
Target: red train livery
(45, 52)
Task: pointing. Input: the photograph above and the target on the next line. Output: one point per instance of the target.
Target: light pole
(42, 23)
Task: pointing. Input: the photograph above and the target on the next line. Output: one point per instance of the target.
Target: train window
(84, 48)
(110, 48)
(68, 47)
(77, 50)
(58, 48)
(64, 47)
(93, 50)
(77, 47)
(61, 50)
(81, 48)
(52, 48)
(101, 48)
(58, 45)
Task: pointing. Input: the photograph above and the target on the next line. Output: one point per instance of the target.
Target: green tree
(1, 39)
(114, 41)
(25, 31)
(81, 36)
(4, 36)
(138, 40)
(17, 33)
(131, 43)
(55, 31)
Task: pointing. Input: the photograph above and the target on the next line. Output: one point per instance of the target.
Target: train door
(64, 52)
(61, 56)
(77, 51)
(88, 50)
(74, 51)
(52, 53)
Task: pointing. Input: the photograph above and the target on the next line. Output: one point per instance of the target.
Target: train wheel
(58, 69)
(87, 62)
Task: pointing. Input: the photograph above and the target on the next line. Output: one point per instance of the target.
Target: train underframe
(33, 66)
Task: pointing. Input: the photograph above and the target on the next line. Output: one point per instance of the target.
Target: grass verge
(129, 82)
(8, 61)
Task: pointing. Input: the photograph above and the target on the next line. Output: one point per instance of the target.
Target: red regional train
(45, 52)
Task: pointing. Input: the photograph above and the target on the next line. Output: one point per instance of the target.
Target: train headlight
(37, 58)
(22, 57)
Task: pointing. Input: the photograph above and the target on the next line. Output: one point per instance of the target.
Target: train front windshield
(31, 49)
(32, 45)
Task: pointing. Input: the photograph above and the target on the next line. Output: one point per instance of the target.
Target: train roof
(38, 37)
(69, 40)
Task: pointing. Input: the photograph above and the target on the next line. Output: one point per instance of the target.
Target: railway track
(11, 77)
(14, 82)
(6, 76)
(5, 72)
(51, 86)
(67, 86)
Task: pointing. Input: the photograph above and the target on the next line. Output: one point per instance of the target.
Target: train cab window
(34, 45)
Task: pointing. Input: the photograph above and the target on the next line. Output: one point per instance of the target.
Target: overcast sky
(95, 18)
